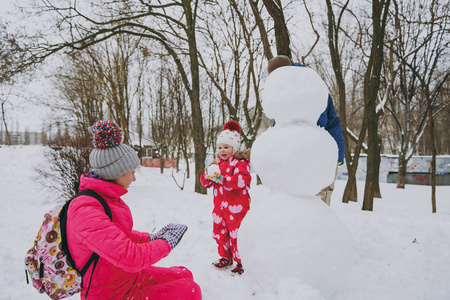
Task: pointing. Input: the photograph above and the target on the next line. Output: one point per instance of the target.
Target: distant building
(21, 138)
(145, 146)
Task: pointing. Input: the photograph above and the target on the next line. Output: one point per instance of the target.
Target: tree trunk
(401, 179)
(186, 157)
(8, 137)
(182, 138)
(351, 191)
(377, 192)
(283, 40)
(433, 159)
(262, 30)
(162, 154)
(371, 86)
(197, 120)
(372, 153)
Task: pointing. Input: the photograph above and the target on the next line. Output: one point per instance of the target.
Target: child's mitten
(213, 173)
(171, 233)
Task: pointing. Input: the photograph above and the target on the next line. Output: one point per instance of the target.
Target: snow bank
(401, 247)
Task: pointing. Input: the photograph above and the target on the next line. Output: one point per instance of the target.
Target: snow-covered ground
(289, 245)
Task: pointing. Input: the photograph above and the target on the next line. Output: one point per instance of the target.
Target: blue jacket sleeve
(331, 122)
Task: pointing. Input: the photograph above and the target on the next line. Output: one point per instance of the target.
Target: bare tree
(361, 36)
(432, 22)
(83, 94)
(112, 63)
(95, 83)
(370, 90)
(346, 64)
(172, 24)
(163, 115)
(183, 120)
(11, 54)
(380, 9)
(91, 83)
(234, 73)
(254, 4)
(334, 28)
(215, 115)
(139, 94)
(283, 41)
(407, 46)
(431, 81)
(3, 102)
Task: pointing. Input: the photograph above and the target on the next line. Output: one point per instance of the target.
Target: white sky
(5, 5)
(21, 110)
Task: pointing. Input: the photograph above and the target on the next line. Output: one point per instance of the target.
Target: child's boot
(223, 263)
(238, 270)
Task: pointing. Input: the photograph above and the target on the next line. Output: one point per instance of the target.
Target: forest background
(175, 71)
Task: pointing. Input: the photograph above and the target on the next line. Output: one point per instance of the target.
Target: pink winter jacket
(125, 254)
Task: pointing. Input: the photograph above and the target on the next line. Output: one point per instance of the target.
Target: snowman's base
(299, 238)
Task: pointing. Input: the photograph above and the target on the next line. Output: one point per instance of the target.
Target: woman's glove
(154, 236)
(212, 172)
(171, 233)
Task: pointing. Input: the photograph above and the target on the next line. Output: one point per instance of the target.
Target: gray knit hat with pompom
(110, 158)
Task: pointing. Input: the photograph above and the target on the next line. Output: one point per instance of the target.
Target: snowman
(295, 97)
(295, 159)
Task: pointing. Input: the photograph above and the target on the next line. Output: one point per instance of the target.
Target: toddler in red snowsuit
(230, 177)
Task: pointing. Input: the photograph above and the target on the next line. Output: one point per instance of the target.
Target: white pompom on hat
(230, 135)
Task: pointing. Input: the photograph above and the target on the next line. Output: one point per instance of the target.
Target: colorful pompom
(233, 126)
(106, 134)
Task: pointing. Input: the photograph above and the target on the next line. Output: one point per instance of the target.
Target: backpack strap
(63, 222)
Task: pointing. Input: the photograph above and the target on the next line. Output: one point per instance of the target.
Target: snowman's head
(230, 135)
(294, 95)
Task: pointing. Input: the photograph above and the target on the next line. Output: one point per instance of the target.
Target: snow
(213, 169)
(400, 249)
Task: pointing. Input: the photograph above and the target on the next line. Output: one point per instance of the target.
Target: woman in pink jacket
(124, 270)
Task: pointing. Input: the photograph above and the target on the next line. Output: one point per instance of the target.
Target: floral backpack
(49, 263)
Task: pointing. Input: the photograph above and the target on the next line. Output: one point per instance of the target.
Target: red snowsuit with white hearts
(231, 203)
